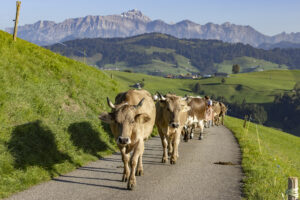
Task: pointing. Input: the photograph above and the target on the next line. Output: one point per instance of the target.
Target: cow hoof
(164, 160)
(130, 185)
(173, 162)
(125, 178)
(192, 136)
(139, 172)
(200, 137)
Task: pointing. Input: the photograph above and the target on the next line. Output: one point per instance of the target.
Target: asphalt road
(195, 176)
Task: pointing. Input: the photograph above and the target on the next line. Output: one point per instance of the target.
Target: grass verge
(269, 158)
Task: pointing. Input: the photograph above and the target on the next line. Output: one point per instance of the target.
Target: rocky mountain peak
(136, 15)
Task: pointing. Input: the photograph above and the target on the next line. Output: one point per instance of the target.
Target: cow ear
(142, 118)
(105, 117)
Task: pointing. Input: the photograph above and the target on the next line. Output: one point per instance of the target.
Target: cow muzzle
(123, 140)
(174, 125)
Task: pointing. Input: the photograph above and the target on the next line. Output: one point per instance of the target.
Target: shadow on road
(104, 170)
(89, 184)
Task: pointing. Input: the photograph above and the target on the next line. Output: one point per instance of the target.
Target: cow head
(125, 119)
(172, 107)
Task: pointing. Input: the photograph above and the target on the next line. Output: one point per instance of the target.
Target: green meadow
(256, 87)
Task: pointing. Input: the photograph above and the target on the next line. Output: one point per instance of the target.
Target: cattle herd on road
(135, 113)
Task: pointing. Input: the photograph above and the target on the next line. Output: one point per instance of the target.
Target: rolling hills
(159, 54)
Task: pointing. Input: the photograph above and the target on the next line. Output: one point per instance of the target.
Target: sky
(269, 17)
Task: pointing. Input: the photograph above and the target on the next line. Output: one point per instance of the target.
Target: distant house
(169, 76)
(137, 85)
(221, 74)
(206, 76)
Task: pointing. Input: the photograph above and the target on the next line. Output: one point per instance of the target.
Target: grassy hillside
(269, 158)
(256, 87)
(49, 108)
(247, 64)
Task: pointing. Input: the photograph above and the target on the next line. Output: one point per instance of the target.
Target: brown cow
(197, 113)
(219, 111)
(131, 121)
(171, 116)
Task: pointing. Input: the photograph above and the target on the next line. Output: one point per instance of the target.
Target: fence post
(17, 20)
(245, 121)
(292, 191)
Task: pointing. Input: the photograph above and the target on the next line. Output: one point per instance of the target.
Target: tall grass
(269, 158)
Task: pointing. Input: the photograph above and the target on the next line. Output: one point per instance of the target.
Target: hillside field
(257, 87)
(49, 107)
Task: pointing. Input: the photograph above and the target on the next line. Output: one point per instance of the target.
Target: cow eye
(132, 122)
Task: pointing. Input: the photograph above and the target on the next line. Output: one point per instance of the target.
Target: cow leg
(223, 119)
(164, 144)
(175, 141)
(170, 145)
(186, 133)
(192, 129)
(134, 160)
(201, 126)
(140, 169)
(125, 158)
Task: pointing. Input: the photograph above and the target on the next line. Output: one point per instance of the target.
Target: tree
(223, 80)
(297, 86)
(235, 68)
(197, 88)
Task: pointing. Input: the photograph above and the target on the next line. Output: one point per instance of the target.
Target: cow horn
(161, 96)
(140, 103)
(110, 103)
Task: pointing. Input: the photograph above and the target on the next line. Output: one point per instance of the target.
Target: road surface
(195, 176)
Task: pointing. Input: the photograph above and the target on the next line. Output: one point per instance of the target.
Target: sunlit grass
(269, 158)
(49, 107)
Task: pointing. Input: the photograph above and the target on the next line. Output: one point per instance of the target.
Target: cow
(171, 115)
(131, 121)
(196, 117)
(219, 110)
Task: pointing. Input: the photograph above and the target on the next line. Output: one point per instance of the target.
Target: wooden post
(292, 191)
(84, 56)
(17, 20)
(245, 121)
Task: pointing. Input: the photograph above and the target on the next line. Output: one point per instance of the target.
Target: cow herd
(135, 113)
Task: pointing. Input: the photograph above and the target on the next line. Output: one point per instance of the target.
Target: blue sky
(267, 16)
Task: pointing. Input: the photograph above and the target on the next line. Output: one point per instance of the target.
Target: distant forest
(202, 53)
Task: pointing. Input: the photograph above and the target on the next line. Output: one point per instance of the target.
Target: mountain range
(134, 22)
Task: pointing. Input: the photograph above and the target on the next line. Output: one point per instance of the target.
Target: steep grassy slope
(256, 87)
(269, 158)
(48, 113)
